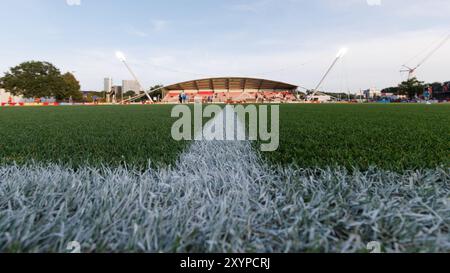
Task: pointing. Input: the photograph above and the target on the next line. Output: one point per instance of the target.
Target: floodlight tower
(123, 59)
(339, 56)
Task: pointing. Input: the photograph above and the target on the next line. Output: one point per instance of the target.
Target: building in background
(107, 87)
(108, 84)
(115, 93)
(372, 93)
(131, 85)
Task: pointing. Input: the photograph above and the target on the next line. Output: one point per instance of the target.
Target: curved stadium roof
(230, 83)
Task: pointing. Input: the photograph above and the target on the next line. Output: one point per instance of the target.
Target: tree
(72, 88)
(128, 94)
(411, 88)
(156, 91)
(33, 80)
(40, 79)
(390, 90)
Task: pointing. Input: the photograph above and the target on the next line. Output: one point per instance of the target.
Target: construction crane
(412, 70)
(339, 56)
(123, 59)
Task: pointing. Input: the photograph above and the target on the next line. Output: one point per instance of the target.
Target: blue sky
(175, 40)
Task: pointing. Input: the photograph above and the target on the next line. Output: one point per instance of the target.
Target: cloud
(159, 25)
(427, 9)
(374, 2)
(254, 6)
(163, 60)
(73, 2)
(137, 32)
(155, 26)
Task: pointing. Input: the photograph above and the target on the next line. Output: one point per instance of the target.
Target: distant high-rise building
(372, 93)
(108, 85)
(131, 86)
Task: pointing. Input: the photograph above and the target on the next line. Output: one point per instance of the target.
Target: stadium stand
(231, 90)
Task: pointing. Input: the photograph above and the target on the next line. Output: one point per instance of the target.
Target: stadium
(230, 90)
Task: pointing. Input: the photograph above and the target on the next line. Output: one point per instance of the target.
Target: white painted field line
(222, 160)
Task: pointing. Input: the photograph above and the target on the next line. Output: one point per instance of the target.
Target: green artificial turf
(393, 137)
(76, 136)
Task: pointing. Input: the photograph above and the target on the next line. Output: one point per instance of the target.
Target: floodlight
(121, 56)
(342, 52)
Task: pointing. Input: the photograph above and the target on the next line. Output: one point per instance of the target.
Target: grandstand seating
(232, 97)
(171, 97)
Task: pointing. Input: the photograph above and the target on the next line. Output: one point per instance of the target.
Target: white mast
(123, 59)
(340, 54)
